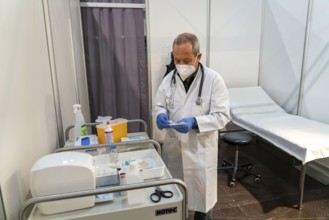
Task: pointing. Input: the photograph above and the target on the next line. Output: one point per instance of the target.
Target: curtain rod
(110, 5)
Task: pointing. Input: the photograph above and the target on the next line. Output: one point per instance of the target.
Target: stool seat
(238, 139)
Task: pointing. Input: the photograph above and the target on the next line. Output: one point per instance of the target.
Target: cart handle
(67, 130)
(122, 143)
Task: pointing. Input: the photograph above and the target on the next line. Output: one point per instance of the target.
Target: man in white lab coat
(192, 104)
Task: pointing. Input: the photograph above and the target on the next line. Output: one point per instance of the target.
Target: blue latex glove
(162, 121)
(189, 123)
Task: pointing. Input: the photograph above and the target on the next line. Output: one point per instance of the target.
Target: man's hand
(188, 124)
(162, 121)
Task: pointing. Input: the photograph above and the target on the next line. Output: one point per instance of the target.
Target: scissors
(156, 196)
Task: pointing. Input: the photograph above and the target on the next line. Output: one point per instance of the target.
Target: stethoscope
(173, 88)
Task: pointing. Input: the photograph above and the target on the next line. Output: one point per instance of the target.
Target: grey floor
(276, 195)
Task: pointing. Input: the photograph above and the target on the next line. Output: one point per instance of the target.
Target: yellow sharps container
(120, 128)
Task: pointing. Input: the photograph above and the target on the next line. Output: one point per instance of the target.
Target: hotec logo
(165, 211)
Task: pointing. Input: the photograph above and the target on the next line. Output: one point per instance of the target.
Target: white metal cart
(173, 208)
(118, 208)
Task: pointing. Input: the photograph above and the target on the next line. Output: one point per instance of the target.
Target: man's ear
(199, 56)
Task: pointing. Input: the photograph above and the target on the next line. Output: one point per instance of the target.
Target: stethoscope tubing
(173, 82)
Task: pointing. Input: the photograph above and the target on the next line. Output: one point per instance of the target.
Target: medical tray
(149, 159)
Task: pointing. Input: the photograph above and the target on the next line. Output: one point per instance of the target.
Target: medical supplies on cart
(119, 127)
(108, 130)
(76, 171)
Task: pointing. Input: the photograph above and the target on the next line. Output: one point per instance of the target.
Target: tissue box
(61, 173)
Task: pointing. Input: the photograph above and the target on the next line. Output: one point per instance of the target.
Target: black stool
(238, 139)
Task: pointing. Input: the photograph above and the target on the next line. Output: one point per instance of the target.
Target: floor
(276, 195)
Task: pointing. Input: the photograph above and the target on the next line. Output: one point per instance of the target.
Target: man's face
(183, 55)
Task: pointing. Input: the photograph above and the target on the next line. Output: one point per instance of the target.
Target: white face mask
(185, 70)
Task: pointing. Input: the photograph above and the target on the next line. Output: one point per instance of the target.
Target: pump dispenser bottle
(79, 128)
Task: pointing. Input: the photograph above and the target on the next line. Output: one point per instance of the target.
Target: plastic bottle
(136, 196)
(123, 181)
(108, 133)
(114, 157)
(79, 128)
(108, 138)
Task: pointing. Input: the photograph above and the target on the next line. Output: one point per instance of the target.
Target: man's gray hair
(188, 37)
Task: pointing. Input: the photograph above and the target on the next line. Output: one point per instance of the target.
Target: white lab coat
(193, 157)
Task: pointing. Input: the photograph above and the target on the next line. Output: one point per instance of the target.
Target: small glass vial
(114, 156)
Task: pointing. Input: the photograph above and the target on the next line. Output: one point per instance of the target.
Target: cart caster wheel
(257, 180)
(232, 184)
(249, 167)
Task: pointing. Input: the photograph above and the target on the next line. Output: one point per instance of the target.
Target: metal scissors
(156, 196)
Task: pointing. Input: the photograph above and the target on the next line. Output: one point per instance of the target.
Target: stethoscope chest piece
(198, 101)
(171, 103)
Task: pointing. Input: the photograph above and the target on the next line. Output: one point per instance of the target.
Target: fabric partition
(115, 54)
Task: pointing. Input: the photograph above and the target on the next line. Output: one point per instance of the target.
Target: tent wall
(42, 72)
(252, 43)
(28, 113)
(235, 33)
(282, 50)
(67, 57)
(315, 99)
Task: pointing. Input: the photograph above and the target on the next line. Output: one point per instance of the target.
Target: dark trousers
(203, 216)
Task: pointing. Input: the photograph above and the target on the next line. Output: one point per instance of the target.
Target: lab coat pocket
(202, 135)
(171, 133)
(204, 107)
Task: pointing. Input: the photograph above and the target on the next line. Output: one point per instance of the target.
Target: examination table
(306, 140)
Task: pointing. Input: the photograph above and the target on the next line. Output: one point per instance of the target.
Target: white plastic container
(136, 196)
(63, 172)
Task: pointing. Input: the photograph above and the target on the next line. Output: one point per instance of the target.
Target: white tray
(154, 168)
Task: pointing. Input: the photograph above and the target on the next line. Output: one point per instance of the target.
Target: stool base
(245, 168)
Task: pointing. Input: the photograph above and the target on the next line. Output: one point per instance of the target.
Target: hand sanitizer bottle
(79, 128)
